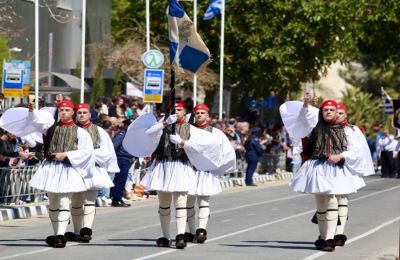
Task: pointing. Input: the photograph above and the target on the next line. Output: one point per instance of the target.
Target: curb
(225, 184)
(9, 212)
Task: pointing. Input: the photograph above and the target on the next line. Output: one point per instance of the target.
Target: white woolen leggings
(327, 215)
(165, 199)
(204, 212)
(59, 211)
(83, 209)
(343, 211)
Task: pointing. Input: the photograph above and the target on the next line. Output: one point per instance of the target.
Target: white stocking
(77, 210)
(191, 213)
(164, 200)
(180, 199)
(204, 211)
(327, 215)
(343, 213)
(64, 212)
(54, 205)
(89, 209)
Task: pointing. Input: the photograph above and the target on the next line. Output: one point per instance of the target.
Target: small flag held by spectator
(387, 103)
(213, 9)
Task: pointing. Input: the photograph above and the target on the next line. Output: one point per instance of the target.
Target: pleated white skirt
(169, 176)
(57, 177)
(100, 179)
(205, 184)
(325, 178)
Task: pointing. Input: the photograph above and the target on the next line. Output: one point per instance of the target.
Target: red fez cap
(341, 106)
(66, 103)
(83, 105)
(201, 107)
(329, 102)
(180, 104)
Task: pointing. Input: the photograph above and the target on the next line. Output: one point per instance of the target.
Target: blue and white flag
(214, 9)
(387, 103)
(186, 48)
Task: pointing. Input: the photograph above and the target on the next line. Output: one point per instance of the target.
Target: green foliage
(278, 44)
(4, 53)
(75, 97)
(362, 109)
(117, 88)
(98, 84)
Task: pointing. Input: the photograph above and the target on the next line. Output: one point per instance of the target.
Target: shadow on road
(19, 244)
(264, 244)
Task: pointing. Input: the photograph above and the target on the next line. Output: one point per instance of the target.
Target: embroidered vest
(208, 128)
(94, 134)
(64, 139)
(167, 151)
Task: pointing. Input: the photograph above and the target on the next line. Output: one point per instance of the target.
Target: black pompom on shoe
(163, 242)
(72, 237)
(60, 241)
(189, 237)
(340, 240)
(180, 241)
(201, 235)
(86, 234)
(50, 240)
(329, 245)
(319, 243)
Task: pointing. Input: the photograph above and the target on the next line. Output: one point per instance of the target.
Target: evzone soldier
(68, 150)
(335, 160)
(207, 183)
(171, 173)
(343, 200)
(83, 203)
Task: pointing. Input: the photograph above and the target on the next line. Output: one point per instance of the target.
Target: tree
(117, 88)
(362, 108)
(4, 53)
(98, 84)
(276, 44)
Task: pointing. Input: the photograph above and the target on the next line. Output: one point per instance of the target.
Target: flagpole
(172, 94)
(147, 25)
(195, 75)
(37, 54)
(383, 114)
(221, 73)
(83, 51)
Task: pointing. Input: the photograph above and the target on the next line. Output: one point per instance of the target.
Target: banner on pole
(153, 85)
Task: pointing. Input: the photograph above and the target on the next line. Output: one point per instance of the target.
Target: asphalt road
(264, 222)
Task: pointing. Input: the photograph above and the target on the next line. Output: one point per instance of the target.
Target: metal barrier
(14, 185)
(268, 163)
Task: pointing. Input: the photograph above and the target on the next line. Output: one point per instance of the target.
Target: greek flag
(213, 9)
(387, 103)
(186, 49)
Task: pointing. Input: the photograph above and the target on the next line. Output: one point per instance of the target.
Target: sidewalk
(25, 211)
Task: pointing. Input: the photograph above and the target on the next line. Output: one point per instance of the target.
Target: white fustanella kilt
(57, 177)
(169, 176)
(317, 177)
(205, 184)
(98, 180)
